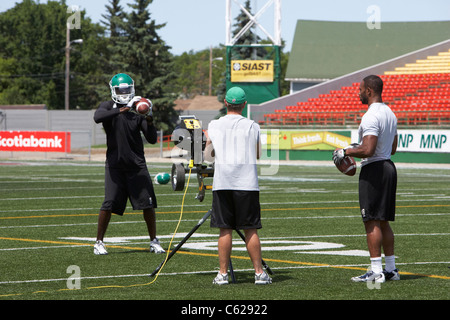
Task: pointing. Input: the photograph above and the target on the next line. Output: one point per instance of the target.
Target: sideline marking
(195, 272)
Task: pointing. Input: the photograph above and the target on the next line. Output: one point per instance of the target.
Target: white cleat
(262, 278)
(100, 248)
(156, 247)
(221, 279)
(369, 277)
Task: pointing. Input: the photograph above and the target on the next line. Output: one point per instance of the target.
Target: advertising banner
(416, 140)
(424, 140)
(305, 140)
(39, 141)
(252, 70)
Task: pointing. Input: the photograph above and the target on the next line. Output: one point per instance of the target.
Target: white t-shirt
(380, 121)
(235, 140)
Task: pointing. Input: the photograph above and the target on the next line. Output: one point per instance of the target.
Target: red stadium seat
(417, 99)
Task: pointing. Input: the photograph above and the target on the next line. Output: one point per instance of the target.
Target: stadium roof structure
(324, 50)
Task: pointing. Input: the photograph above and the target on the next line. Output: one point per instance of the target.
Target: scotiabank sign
(42, 141)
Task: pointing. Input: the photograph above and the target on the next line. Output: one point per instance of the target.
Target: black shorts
(233, 209)
(377, 191)
(123, 184)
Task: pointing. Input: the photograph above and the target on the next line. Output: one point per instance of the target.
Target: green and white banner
(414, 140)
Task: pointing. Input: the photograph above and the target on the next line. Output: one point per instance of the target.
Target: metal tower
(258, 76)
(275, 37)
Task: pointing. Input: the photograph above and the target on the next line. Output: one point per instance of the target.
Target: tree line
(32, 58)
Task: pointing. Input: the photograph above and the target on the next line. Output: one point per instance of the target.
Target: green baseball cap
(235, 95)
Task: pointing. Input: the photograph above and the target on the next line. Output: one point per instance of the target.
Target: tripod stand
(199, 223)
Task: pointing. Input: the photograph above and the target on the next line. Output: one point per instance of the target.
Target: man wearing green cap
(236, 143)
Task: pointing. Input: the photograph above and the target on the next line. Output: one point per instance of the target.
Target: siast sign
(252, 70)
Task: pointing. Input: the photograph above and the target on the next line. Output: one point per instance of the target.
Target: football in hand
(143, 106)
(347, 166)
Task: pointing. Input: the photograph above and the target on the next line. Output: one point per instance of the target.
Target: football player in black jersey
(126, 173)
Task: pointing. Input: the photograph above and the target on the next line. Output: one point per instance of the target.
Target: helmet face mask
(122, 88)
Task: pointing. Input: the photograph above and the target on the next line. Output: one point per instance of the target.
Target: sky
(198, 24)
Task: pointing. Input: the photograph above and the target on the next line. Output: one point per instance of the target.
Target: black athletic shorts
(377, 191)
(232, 209)
(134, 184)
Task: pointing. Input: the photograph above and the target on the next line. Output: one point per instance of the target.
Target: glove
(149, 116)
(150, 111)
(338, 156)
(131, 103)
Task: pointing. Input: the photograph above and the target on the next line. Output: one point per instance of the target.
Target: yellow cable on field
(191, 164)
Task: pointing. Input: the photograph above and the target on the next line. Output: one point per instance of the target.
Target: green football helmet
(122, 88)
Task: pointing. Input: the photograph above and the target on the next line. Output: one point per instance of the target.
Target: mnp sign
(418, 140)
(424, 141)
(41, 141)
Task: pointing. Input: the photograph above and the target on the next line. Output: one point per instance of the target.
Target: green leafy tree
(31, 51)
(32, 56)
(139, 51)
(192, 70)
(88, 63)
(248, 38)
(114, 19)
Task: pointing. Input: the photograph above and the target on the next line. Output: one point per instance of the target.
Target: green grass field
(313, 239)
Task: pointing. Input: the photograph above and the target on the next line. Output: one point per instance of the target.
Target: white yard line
(211, 271)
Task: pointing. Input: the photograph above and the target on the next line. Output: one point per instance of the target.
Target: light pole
(210, 68)
(68, 43)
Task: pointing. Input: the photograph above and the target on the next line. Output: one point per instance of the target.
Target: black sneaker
(393, 275)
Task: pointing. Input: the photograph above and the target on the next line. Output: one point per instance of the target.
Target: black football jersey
(125, 148)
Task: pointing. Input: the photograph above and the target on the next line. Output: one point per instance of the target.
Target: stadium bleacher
(418, 93)
(439, 63)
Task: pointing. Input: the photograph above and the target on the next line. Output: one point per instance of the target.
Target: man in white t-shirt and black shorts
(377, 180)
(236, 143)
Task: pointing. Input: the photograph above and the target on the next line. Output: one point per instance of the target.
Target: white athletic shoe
(262, 278)
(221, 279)
(156, 247)
(100, 248)
(369, 277)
